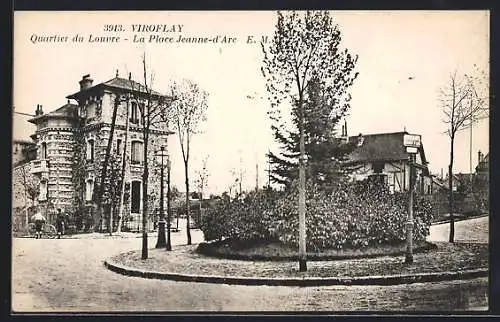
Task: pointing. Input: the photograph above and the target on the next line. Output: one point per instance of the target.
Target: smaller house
(383, 156)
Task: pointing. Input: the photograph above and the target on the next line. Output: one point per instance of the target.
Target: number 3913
(113, 28)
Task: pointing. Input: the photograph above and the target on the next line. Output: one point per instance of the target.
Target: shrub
(347, 215)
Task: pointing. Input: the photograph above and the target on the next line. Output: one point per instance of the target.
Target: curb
(305, 281)
(458, 219)
(206, 249)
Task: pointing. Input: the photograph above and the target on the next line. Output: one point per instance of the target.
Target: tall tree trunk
(111, 211)
(302, 191)
(201, 201)
(106, 159)
(145, 202)
(124, 165)
(450, 193)
(188, 231)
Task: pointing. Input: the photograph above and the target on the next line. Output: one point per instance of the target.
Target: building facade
(71, 144)
(383, 156)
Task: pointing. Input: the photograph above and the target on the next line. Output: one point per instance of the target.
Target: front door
(136, 197)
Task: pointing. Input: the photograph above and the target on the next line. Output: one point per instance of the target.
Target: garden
(344, 220)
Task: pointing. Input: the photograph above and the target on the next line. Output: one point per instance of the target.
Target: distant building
(23, 151)
(483, 166)
(383, 156)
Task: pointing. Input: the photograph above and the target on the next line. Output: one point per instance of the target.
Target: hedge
(349, 215)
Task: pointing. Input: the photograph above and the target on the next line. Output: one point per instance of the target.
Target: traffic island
(445, 262)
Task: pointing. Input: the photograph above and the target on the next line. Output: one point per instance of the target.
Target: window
(43, 191)
(90, 150)
(118, 146)
(134, 113)
(91, 110)
(137, 152)
(89, 190)
(43, 153)
(136, 197)
(141, 111)
(378, 166)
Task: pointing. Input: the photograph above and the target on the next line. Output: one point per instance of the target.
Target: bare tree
(201, 181)
(463, 104)
(124, 162)
(105, 164)
(153, 107)
(187, 112)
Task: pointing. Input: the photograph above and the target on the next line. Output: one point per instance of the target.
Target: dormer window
(361, 139)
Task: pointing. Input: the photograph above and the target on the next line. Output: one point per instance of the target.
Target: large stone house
(383, 156)
(71, 144)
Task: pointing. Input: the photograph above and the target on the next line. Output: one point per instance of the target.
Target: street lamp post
(169, 244)
(412, 144)
(161, 242)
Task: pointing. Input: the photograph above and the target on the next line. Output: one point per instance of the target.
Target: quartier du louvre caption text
(144, 33)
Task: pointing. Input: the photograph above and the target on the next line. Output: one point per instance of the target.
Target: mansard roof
(66, 111)
(381, 147)
(119, 84)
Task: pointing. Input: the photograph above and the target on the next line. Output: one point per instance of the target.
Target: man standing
(39, 222)
(60, 223)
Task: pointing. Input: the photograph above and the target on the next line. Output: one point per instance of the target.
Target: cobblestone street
(69, 275)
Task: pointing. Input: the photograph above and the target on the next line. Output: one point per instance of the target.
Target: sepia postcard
(250, 161)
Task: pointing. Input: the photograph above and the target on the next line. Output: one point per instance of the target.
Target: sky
(404, 58)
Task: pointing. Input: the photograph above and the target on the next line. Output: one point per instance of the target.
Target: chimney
(86, 82)
(39, 110)
(479, 156)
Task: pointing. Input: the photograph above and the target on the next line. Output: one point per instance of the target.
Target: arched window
(137, 152)
(43, 152)
(90, 150)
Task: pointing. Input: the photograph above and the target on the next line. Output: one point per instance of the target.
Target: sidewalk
(447, 262)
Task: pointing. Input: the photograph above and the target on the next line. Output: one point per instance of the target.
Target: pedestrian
(60, 223)
(39, 222)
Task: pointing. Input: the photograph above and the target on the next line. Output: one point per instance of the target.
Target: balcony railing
(39, 166)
